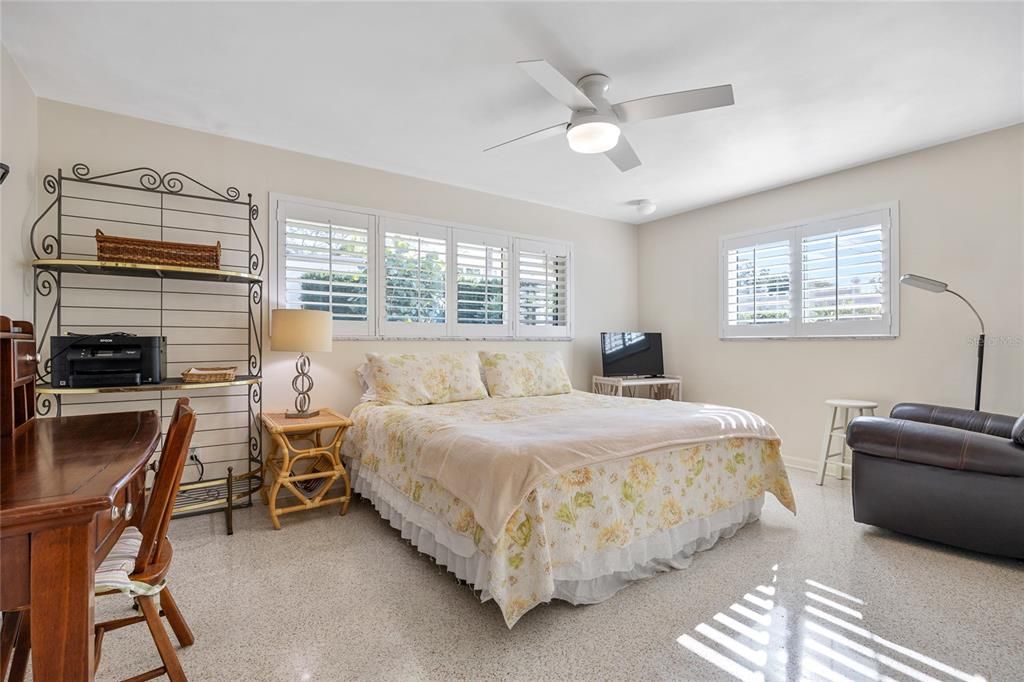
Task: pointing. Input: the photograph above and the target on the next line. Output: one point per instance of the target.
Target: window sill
(830, 337)
(486, 339)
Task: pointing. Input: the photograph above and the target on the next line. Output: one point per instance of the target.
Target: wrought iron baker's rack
(54, 262)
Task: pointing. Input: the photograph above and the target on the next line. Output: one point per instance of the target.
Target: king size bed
(551, 493)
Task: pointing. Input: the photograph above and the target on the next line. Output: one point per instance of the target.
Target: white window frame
(284, 208)
(886, 328)
(378, 328)
(494, 240)
(760, 331)
(542, 331)
(388, 329)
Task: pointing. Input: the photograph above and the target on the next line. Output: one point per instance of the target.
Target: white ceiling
(422, 88)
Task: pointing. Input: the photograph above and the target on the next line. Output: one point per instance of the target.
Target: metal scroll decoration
(255, 257)
(45, 285)
(49, 244)
(255, 423)
(44, 405)
(172, 182)
(256, 324)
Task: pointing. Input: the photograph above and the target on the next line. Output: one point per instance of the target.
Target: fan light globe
(594, 137)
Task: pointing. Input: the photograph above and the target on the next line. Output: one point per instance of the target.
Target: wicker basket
(208, 375)
(152, 252)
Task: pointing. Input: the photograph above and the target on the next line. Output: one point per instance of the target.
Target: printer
(113, 359)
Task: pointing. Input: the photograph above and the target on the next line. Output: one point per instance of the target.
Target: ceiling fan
(595, 124)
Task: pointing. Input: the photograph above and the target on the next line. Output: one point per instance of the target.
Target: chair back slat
(160, 504)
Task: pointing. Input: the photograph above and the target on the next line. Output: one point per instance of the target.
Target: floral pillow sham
(425, 378)
(515, 375)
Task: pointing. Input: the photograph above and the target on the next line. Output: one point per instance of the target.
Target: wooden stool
(864, 407)
(322, 462)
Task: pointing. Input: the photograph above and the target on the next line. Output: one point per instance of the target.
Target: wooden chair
(145, 556)
(153, 558)
(14, 645)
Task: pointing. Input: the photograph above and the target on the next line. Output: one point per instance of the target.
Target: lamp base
(303, 384)
(301, 415)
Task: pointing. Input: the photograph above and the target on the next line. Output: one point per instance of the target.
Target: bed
(575, 533)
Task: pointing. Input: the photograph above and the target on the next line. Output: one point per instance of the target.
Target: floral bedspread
(584, 511)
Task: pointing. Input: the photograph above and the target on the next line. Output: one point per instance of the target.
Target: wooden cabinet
(17, 374)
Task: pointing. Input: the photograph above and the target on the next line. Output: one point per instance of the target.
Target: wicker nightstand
(307, 473)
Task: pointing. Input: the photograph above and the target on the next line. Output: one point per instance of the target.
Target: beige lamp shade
(302, 331)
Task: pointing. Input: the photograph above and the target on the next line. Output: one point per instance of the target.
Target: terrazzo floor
(815, 596)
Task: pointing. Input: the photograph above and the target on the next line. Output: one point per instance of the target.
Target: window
(543, 289)
(415, 277)
(481, 283)
(326, 264)
(390, 276)
(757, 287)
(828, 277)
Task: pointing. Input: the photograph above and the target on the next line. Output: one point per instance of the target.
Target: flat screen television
(632, 354)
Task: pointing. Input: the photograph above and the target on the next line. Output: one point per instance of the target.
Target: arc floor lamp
(937, 287)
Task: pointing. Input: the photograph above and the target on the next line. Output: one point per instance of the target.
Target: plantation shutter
(758, 286)
(482, 283)
(326, 256)
(844, 272)
(414, 278)
(542, 271)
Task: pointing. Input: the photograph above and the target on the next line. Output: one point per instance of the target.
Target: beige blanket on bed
(492, 467)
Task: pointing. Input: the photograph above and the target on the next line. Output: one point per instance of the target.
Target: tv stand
(659, 388)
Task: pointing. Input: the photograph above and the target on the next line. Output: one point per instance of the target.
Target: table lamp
(937, 287)
(302, 331)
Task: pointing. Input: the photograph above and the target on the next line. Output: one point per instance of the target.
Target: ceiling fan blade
(535, 136)
(623, 156)
(560, 87)
(673, 103)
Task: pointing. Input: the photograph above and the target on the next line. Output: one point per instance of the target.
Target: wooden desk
(61, 481)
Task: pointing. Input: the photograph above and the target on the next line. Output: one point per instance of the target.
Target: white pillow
(426, 378)
(366, 383)
(515, 375)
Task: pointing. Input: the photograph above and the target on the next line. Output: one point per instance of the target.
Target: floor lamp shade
(301, 331)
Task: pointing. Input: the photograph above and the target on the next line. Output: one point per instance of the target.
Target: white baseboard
(800, 464)
(812, 466)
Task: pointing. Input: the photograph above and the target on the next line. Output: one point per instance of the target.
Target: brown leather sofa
(942, 473)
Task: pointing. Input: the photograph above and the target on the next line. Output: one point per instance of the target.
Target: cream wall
(18, 140)
(605, 251)
(961, 220)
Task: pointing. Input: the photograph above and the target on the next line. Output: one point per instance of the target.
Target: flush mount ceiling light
(645, 206)
(595, 124)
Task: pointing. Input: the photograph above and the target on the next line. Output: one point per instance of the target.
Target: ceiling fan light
(593, 137)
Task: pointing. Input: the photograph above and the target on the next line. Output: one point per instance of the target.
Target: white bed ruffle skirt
(595, 578)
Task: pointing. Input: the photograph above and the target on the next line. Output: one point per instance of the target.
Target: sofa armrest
(935, 445)
(969, 420)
